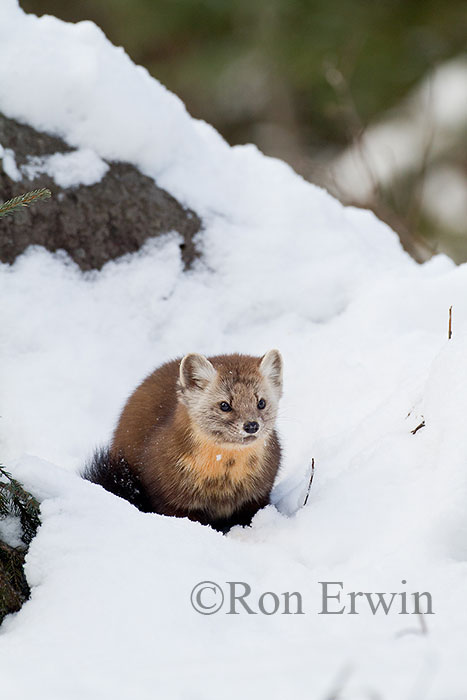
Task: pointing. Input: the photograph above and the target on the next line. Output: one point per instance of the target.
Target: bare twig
(354, 124)
(311, 481)
(405, 224)
(414, 211)
(422, 630)
(423, 624)
(419, 427)
(450, 324)
(339, 684)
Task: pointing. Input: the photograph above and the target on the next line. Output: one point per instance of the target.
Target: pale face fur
(241, 385)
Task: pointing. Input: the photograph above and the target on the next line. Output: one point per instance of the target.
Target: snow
(80, 167)
(9, 164)
(363, 332)
(10, 531)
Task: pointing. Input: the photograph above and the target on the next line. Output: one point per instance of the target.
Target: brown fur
(192, 459)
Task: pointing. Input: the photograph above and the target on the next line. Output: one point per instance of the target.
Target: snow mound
(363, 331)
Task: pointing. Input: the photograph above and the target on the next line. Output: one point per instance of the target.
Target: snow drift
(363, 331)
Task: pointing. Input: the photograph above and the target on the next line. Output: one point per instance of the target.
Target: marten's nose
(251, 427)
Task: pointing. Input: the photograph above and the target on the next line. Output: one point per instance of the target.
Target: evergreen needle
(23, 200)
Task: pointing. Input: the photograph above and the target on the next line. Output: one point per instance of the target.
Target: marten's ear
(271, 367)
(196, 371)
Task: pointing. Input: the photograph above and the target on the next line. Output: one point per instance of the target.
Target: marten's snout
(251, 427)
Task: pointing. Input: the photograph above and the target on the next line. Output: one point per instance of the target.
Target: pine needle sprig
(24, 200)
(15, 500)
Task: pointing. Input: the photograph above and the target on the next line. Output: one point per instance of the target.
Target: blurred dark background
(368, 99)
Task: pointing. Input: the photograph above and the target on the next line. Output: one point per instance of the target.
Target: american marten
(196, 439)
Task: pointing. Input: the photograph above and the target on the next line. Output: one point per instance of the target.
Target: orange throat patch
(210, 460)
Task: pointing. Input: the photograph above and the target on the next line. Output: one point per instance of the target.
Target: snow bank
(363, 331)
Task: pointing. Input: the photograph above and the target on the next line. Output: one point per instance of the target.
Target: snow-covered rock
(98, 211)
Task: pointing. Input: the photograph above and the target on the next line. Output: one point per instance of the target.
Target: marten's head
(232, 398)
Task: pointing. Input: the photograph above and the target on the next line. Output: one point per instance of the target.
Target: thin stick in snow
(450, 324)
(311, 480)
(419, 427)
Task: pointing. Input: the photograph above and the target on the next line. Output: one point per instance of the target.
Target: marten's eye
(261, 403)
(224, 406)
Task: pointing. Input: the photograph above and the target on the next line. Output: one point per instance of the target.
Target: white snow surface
(9, 164)
(79, 167)
(363, 332)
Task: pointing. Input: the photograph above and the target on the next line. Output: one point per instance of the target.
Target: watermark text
(328, 598)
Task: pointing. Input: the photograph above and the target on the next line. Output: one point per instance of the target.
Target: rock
(14, 589)
(93, 223)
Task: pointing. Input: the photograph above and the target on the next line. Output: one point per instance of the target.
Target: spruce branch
(23, 200)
